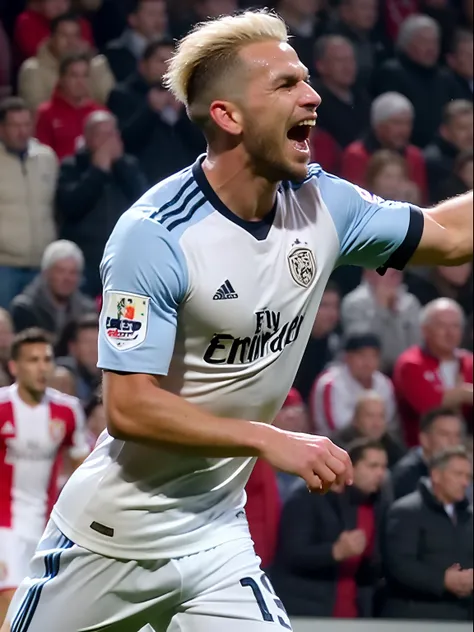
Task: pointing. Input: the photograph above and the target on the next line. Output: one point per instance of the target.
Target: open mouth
(299, 134)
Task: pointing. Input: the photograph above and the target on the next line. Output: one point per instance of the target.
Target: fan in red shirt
(32, 26)
(437, 373)
(60, 122)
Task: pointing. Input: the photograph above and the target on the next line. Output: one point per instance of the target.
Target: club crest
(125, 319)
(57, 430)
(302, 265)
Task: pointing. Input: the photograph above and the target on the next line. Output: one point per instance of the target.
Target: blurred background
(86, 127)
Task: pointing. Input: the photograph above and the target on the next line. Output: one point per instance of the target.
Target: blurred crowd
(86, 127)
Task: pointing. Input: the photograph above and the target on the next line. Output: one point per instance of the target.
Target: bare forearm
(455, 216)
(150, 415)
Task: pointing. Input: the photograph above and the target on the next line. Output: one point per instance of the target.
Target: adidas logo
(7, 428)
(225, 292)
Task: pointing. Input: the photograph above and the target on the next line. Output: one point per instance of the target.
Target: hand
(315, 459)
(349, 544)
(157, 99)
(457, 581)
(386, 295)
(102, 158)
(115, 147)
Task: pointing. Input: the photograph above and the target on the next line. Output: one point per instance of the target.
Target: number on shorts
(259, 598)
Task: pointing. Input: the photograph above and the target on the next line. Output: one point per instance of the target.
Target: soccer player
(36, 424)
(224, 264)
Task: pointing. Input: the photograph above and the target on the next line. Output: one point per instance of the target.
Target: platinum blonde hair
(440, 304)
(212, 46)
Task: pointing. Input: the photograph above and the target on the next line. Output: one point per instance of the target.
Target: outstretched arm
(447, 237)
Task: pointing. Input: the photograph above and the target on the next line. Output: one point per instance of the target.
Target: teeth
(310, 122)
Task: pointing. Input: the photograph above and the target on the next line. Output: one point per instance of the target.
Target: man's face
(395, 132)
(360, 14)
(339, 64)
(151, 19)
(462, 60)
(75, 83)
(6, 337)
(445, 432)
(275, 98)
(460, 130)
(424, 47)
(67, 39)
(327, 317)
(84, 349)
(443, 332)
(100, 133)
(453, 481)
(370, 471)
(63, 278)
(16, 130)
(370, 419)
(363, 363)
(154, 68)
(34, 367)
(54, 8)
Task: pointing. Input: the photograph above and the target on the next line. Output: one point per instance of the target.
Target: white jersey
(31, 440)
(222, 308)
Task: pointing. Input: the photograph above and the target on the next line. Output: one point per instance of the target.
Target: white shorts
(15, 554)
(74, 590)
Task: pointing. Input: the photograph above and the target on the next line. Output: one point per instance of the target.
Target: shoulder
(41, 150)
(407, 504)
(62, 399)
(98, 62)
(412, 355)
(5, 394)
(414, 153)
(410, 461)
(361, 294)
(356, 148)
(29, 65)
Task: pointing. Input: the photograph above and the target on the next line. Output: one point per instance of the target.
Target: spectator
(387, 176)
(63, 381)
(344, 110)
(383, 306)
(325, 150)
(336, 392)
(28, 172)
(415, 74)
(461, 179)
(370, 422)
(147, 22)
(80, 338)
(53, 298)
(460, 61)
(6, 339)
(453, 282)
(356, 20)
(95, 187)
(263, 509)
(199, 11)
(391, 125)
(428, 549)
(306, 21)
(455, 135)
(39, 75)
(32, 27)
(96, 421)
(293, 416)
(323, 343)
(327, 560)
(436, 373)
(440, 428)
(151, 120)
(5, 65)
(60, 122)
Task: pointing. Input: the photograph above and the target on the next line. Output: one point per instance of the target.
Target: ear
(12, 368)
(227, 117)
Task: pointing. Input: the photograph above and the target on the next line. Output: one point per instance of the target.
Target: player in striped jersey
(150, 532)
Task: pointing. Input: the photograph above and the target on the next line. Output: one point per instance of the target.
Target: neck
(343, 92)
(441, 496)
(75, 101)
(441, 354)
(29, 397)
(247, 194)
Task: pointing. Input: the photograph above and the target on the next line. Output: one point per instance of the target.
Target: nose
(310, 99)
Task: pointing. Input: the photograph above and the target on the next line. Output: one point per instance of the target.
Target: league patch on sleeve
(125, 319)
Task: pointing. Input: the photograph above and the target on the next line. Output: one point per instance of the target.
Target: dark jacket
(420, 543)
(424, 87)
(34, 307)
(304, 572)
(85, 382)
(407, 473)
(440, 156)
(394, 449)
(148, 136)
(459, 88)
(122, 61)
(90, 201)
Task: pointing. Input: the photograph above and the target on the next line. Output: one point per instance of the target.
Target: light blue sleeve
(372, 232)
(145, 277)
